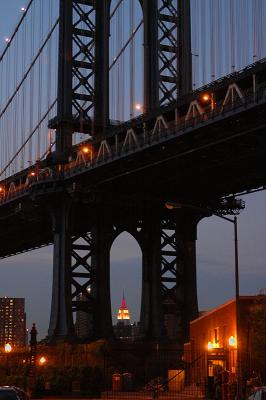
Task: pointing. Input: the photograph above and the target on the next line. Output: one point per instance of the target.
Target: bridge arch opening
(126, 60)
(126, 279)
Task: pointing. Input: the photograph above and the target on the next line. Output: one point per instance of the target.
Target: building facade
(12, 321)
(221, 343)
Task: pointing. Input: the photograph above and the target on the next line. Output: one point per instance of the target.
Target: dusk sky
(30, 275)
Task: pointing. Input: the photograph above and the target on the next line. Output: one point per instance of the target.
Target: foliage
(258, 338)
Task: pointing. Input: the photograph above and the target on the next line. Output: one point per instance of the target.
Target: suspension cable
(125, 45)
(29, 69)
(16, 29)
(29, 137)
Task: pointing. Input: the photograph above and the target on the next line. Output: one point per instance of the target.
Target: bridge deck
(216, 153)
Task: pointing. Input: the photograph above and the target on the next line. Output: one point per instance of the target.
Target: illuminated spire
(123, 304)
(123, 313)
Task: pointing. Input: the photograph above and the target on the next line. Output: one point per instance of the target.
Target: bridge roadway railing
(35, 175)
(174, 128)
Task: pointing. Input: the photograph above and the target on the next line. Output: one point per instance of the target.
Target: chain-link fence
(153, 372)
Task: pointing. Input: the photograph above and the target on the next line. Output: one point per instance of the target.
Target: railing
(92, 160)
(174, 129)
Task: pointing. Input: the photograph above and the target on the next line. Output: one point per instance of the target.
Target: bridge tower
(82, 255)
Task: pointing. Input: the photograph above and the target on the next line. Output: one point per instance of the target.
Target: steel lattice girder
(81, 271)
(168, 28)
(171, 270)
(83, 69)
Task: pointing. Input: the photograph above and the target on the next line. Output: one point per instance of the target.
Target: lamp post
(209, 212)
(8, 349)
(42, 361)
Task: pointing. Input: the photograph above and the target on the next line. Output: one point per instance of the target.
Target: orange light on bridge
(86, 150)
(2, 190)
(32, 174)
(206, 97)
(138, 107)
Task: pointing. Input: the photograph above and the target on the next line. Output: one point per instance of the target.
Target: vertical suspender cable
(123, 64)
(203, 44)
(48, 75)
(232, 37)
(212, 39)
(31, 103)
(23, 116)
(132, 60)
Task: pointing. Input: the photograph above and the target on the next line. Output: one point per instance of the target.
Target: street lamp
(209, 212)
(8, 349)
(208, 98)
(42, 361)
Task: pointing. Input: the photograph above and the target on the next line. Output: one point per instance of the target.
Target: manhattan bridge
(111, 109)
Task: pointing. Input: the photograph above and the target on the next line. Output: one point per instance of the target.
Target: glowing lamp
(210, 346)
(232, 341)
(8, 348)
(206, 97)
(172, 206)
(2, 190)
(138, 107)
(85, 150)
(32, 174)
(42, 360)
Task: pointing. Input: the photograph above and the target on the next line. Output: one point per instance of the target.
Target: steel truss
(82, 279)
(178, 274)
(83, 58)
(83, 71)
(168, 52)
(81, 273)
(169, 296)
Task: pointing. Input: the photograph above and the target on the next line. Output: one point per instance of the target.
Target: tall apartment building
(12, 321)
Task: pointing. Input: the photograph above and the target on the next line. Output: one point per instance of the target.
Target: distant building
(123, 328)
(12, 321)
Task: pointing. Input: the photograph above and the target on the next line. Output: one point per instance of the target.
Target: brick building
(12, 321)
(216, 342)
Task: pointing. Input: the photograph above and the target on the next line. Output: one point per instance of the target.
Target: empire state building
(123, 315)
(123, 327)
